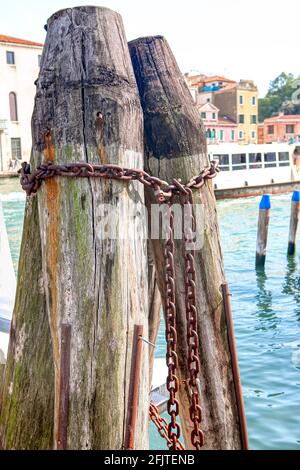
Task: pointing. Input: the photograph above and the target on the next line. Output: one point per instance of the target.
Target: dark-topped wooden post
(262, 230)
(295, 207)
(176, 148)
(93, 242)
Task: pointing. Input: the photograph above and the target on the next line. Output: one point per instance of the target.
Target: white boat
(159, 394)
(7, 287)
(254, 169)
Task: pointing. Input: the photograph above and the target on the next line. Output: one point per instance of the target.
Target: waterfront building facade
(239, 102)
(282, 128)
(19, 68)
(218, 129)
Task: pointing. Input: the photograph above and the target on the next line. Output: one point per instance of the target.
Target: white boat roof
(250, 148)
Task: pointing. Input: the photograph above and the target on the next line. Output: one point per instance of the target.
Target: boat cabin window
(255, 160)
(223, 161)
(239, 161)
(270, 159)
(284, 159)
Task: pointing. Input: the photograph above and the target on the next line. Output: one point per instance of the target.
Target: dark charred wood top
(172, 123)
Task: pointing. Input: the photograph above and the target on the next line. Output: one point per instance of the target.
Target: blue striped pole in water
(262, 230)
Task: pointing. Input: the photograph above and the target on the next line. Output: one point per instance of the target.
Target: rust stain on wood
(99, 123)
(102, 154)
(49, 150)
(52, 195)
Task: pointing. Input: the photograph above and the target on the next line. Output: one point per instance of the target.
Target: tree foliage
(282, 96)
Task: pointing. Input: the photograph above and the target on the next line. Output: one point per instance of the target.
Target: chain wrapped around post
(164, 193)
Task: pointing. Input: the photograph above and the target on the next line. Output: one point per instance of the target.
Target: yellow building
(239, 102)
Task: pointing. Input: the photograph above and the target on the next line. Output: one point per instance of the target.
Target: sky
(253, 39)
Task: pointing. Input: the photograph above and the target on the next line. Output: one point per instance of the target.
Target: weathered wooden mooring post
(295, 207)
(27, 392)
(262, 230)
(175, 148)
(84, 280)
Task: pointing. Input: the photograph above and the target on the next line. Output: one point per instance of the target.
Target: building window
(253, 135)
(241, 118)
(10, 57)
(203, 115)
(270, 130)
(290, 128)
(241, 99)
(13, 107)
(241, 135)
(253, 119)
(214, 115)
(213, 135)
(221, 135)
(39, 60)
(16, 151)
(232, 135)
(253, 100)
(208, 133)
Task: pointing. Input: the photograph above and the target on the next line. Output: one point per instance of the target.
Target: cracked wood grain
(94, 283)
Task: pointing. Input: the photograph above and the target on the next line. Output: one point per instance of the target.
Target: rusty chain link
(162, 426)
(171, 331)
(163, 192)
(197, 437)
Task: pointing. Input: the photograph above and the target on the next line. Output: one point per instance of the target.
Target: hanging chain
(162, 426)
(163, 192)
(197, 437)
(171, 331)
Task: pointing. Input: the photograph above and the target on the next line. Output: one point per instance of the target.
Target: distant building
(281, 128)
(218, 129)
(203, 87)
(240, 103)
(19, 68)
(236, 100)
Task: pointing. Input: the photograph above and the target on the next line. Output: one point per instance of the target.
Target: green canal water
(266, 311)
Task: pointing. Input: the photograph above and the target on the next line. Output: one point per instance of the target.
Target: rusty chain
(197, 437)
(162, 426)
(171, 332)
(164, 192)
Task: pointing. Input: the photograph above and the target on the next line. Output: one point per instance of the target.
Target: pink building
(282, 128)
(218, 130)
